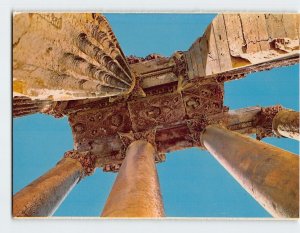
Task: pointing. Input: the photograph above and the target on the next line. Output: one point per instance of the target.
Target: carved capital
(263, 121)
(86, 159)
(56, 109)
(149, 136)
(196, 127)
(180, 68)
(128, 138)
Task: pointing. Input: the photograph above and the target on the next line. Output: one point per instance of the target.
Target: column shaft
(286, 124)
(44, 195)
(269, 174)
(136, 191)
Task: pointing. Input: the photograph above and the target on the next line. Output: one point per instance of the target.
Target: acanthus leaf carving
(86, 158)
(263, 121)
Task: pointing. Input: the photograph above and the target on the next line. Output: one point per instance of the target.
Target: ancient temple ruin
(126, 113)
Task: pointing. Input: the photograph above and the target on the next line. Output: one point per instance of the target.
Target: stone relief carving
(264, 121)
(100, 122)
(203, 99)
(86, 158)
(151, 112)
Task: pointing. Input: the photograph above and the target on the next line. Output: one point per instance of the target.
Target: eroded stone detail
(132, 59)
(127, 139)
(73, 58)
(180, 68)
(203, 99)
(100, 122)
(86, 159)
(23, 106)
(264, 121)
(156, 110)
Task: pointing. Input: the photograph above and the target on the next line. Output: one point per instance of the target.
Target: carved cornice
(86, 159)
(132, 59)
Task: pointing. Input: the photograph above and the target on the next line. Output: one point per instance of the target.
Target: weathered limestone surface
(286, 124)
(63, 56)
(104, 139)
(43, 196)
(24, 106)
(136, 192)
(269, 174)
(240, 40)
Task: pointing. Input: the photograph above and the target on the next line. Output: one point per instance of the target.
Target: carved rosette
(204, 99)
(151, 112)
(264, 120)
(86, 159)
(91, 124)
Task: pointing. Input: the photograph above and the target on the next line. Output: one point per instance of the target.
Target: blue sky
(192, 181)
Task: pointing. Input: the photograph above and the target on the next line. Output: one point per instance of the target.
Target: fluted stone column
(269, 174)
(136, 191)
(44, 195)
(286, 124)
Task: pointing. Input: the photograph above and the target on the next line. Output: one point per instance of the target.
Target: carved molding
(132, 59)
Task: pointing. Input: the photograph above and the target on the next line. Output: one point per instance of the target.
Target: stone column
(269, 174)
(43, 196)
(136, 191)
(286, 124)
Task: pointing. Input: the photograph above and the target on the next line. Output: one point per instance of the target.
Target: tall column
(44, 195)
(136, 191)
(286, 124)
(269, 174)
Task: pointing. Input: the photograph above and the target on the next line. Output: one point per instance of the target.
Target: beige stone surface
(269, 174)
(286, 124)
(136, 191)
(43, 196)
(239, 40)
(64, 56)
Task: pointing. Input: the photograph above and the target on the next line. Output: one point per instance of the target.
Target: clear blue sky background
(193, 184)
